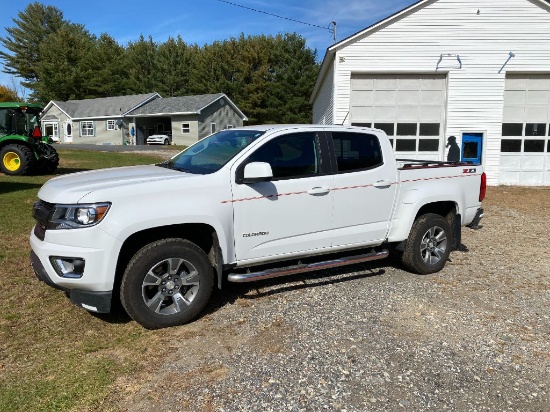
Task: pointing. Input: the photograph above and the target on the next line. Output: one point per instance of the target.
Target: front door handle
(382, 184)
(318, 191)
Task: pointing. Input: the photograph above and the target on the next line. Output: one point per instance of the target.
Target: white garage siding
(323, 107)
(412, 42)
(525, 150)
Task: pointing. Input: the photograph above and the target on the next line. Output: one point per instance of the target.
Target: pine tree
(23, 41)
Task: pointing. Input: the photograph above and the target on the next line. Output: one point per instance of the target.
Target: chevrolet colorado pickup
(241, 205)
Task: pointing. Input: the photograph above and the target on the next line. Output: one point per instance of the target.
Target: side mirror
(257, 172)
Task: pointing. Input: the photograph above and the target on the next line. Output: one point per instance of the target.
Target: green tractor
(23, 149)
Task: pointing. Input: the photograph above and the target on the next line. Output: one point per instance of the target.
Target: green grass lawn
(53, 355)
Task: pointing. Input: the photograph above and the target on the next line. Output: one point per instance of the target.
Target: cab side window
(356, 151)
(291, 156)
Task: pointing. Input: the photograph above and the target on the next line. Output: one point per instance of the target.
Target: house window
(185, 128)
(230, 126)
(87, 128)
(111, 125)
(212, 128)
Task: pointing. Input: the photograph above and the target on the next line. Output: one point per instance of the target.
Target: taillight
(483, 187)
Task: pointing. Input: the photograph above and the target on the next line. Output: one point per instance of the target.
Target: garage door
(524, 148)
(409, 108)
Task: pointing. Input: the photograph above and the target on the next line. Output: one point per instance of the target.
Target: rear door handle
(318, 191)
(382, 184)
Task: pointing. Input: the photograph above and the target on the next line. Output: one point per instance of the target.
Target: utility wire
(332, 29)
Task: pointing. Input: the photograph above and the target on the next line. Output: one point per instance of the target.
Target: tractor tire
(48, 159)
(16, 160)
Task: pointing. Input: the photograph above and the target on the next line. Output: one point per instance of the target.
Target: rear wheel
(167, 283)
(17, 159)
(429, 244)
(166, 142)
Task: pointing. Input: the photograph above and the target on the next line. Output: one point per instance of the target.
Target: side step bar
(302, 268)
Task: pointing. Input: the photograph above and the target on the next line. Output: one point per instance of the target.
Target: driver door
(292, 213)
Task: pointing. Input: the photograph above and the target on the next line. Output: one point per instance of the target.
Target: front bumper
(93, 289)
(99, 302)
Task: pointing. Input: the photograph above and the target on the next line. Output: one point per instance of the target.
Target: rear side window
(356, 151)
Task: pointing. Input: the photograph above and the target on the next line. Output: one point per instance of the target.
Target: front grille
(41, 212)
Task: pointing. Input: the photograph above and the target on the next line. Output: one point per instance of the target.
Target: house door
(51, 129)
(471, 147)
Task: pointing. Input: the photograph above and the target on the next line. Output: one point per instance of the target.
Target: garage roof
(182, 105)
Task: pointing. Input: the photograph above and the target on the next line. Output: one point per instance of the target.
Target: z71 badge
(468, 170)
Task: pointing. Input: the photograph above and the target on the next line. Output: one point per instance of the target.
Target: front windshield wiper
(168, 165)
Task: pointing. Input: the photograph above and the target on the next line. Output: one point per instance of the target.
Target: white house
(475, 69)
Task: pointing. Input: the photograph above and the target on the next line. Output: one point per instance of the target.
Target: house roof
(331, 50)
(102, 107)
(182, 105)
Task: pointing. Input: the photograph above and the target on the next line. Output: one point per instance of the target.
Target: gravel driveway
(473, 337)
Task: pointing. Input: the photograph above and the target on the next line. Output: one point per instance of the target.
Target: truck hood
(73, 187)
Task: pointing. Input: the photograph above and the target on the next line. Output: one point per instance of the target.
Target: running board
(302, 268)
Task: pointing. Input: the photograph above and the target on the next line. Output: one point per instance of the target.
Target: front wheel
(167, 283)
(429, 244)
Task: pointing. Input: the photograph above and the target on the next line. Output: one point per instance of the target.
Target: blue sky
(205, 21)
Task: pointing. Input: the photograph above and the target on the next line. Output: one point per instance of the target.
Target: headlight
(77, 216)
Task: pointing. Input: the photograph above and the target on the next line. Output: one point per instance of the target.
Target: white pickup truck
(241, 205)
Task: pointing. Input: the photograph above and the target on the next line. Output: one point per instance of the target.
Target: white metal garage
(409, 108)
(525, 149)
(475, 69)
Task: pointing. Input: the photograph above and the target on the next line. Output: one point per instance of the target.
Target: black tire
(166, 142)
(167, 283)
(429, 244)
(51, 164)
(16, 159)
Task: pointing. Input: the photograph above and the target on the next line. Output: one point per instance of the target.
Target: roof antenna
(343, 121)
(332, 30)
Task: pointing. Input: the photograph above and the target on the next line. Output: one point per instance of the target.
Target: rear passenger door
(364, 188)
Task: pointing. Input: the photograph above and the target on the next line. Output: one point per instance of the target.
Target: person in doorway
(132, 134)
(454, 151)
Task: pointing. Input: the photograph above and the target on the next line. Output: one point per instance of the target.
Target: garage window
(533, 146)
(512, 129)
(510, 145)
(535, 129)
(405, 145)
(185, 128)
(428, 145)
(406, 129)
(388, 128)
(429, 129)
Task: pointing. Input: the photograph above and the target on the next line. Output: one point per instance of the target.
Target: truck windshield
(211, 153)
(17, 121)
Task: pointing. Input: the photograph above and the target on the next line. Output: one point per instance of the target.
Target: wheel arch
(399, 233)
(201, 234)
